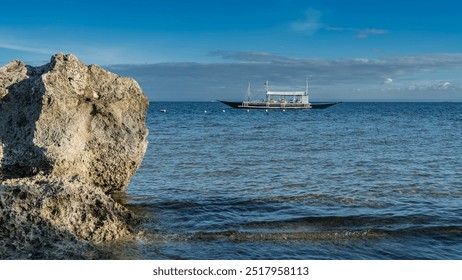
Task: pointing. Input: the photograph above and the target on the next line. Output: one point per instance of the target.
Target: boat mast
(305, 98)
(248, 93)
(306, 86)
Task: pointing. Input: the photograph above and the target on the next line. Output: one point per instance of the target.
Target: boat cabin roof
(286, 93)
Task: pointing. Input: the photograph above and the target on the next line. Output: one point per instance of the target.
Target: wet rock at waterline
(46, 218)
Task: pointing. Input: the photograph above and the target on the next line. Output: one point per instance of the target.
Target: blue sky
(207, 50)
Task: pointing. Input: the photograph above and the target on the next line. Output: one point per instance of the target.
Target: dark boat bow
(314, 105)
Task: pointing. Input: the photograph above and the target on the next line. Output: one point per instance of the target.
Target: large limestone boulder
(70, 135)
(70, 120)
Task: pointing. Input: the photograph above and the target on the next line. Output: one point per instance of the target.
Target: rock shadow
(19, 112)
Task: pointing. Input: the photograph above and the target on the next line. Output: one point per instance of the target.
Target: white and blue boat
(280, 100)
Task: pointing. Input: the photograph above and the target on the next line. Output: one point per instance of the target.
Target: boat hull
(288, 106)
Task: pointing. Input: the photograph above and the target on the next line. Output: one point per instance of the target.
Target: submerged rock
(70, 134)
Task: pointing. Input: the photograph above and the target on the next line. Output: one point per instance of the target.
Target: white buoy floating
(224, 111)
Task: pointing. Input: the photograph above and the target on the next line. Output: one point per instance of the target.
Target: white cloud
(388, 81)
(311, 24)
(446, 85)
(363, 60)
(432, 86)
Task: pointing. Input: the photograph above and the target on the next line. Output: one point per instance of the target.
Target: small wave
(240, 236)
(176, 204)
(337, 235)
(343, 221)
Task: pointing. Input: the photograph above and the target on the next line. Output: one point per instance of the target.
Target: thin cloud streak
(93, 54)
(312, 23)
(364, 33)
(15, 47)
(351, 67)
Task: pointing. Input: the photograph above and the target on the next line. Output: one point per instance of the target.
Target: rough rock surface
(71, 120)
(70, 135)
(43, 218)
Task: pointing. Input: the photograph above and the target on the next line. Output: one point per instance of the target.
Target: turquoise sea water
(354, 181)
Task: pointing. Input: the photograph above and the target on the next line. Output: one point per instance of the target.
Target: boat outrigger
(280, 100)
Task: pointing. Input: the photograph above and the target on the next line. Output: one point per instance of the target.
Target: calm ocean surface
(354, 181)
